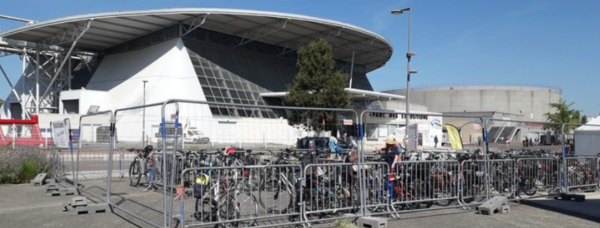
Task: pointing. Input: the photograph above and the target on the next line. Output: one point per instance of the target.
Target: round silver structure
(527, 103)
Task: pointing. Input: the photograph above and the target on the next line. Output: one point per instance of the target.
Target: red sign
(534, 124)
(348, 122)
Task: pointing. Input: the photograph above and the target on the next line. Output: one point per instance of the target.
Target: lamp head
(400, 11)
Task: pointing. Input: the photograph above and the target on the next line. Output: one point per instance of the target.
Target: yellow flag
(454, 137)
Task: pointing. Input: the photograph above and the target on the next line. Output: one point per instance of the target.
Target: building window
(223, 86)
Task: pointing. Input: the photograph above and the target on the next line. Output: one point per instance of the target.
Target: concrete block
(493, 205)
(61, 192)
(39, 179)
(79, 206)
(371, 222)
(505, 209)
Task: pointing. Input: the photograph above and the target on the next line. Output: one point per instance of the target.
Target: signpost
(60, 133)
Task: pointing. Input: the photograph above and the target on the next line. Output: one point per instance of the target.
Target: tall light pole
(409, 54)
(144, 115)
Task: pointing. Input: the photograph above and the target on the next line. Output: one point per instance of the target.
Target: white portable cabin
(587, 138)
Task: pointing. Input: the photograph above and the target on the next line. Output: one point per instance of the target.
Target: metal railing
(581, 173)
(193, 193)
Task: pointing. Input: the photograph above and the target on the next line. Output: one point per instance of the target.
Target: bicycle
(140, 165)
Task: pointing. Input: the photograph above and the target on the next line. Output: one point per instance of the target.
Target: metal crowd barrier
(377, 191)
(581, 173)
(330, 188)
(472, 182)
(240, 196)
(420, 184)
(502, 177)
(537, 176)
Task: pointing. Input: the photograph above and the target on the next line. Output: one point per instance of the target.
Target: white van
(193, 135)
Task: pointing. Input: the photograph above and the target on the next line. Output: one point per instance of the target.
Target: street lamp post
(144, 115)
(409, 54)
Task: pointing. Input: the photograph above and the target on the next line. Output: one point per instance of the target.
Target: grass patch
(21, 165)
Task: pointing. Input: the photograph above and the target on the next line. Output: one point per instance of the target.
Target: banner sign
(455, 138)
(60, 133)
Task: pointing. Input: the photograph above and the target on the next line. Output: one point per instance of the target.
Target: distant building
(518, 103)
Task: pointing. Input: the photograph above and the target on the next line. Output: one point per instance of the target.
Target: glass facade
(222, 85)
(239, 75)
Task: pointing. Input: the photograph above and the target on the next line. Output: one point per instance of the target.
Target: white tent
(587, 138)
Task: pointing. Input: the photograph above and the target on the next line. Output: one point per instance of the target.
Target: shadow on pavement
(588, 210)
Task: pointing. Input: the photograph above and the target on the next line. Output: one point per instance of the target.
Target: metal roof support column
(67, 57)
(23, 109)
(193, 25)
(351, 70)
(69, 74)
(37, 79)
(10, 84)
(259, 35)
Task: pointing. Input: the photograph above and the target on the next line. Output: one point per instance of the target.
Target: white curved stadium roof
(286, 30)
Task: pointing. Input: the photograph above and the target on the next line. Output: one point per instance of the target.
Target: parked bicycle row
(237, 188)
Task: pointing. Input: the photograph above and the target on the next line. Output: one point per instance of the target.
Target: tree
(563, 114)
(1, 102)
(317, 84)
(584, 119)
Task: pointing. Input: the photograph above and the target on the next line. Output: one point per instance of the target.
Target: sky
(517, 42)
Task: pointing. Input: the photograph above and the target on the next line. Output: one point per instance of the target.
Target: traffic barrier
(376, 192)
(581, 173)
(330, 189)
(502, 177)
(240, 196)
(472, 182)
(299, 190)
(420, 184)
(537, 176)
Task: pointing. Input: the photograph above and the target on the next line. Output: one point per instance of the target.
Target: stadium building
(527, 104)
(81, 64)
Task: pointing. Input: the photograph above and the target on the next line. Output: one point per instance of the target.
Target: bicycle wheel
(205, 210)
(276, 196)
(444, 202)
(528, 187)
(241, 208)
(135, 173)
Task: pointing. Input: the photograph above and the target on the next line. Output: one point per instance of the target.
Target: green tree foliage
(1, 102)
(584, 119)
(563, 114)
(317, 84)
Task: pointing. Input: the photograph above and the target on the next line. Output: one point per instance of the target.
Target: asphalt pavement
(27, 206)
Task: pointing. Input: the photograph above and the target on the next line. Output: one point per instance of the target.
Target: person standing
(435, 141)
(352, 142)
(392, 152)
(479, 140)
(530, 142)
(332, 143)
